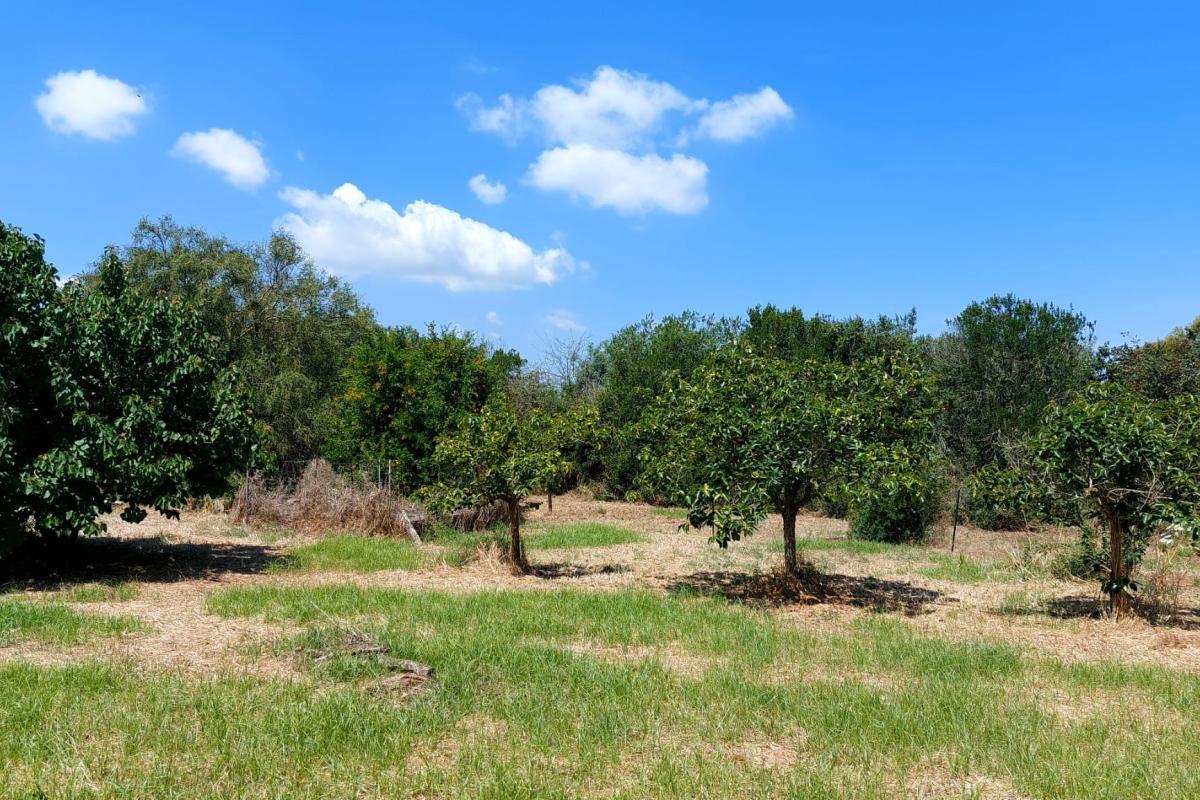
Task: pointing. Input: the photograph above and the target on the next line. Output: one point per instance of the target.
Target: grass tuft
(119, 592)
(55, 623)
(349, 553)
(580, 534)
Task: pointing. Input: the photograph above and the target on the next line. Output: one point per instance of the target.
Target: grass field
(614, 681)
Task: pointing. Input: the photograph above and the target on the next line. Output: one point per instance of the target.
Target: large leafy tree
(1127, 465)
(632, 368)
(502, 454)
(403, 388)
(288, 325)
(1159, 370)
(125, 399)
(1002, 361)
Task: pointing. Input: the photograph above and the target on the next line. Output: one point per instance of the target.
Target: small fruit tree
(743, 436)
(747, 435)
(498, 455)
(1128, 464)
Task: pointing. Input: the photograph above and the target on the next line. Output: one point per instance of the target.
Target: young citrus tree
(501, 454)
(1129, 464)
(744, 436)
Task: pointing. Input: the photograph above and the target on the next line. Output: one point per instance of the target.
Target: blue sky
(849, 158)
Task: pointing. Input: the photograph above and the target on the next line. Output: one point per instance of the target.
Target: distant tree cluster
(139, 383)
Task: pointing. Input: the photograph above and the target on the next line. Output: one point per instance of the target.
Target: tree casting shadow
(108, 559)
(811, 588)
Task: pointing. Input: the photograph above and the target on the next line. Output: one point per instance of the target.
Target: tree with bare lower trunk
(1129, 466)
(498, 455)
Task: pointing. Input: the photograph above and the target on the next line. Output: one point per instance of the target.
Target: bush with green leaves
(129, 400)
(501, 454)
(1131, 467)
(404, 388)
(1006, 499)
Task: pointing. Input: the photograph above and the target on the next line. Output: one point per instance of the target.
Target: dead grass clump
(478, 519)
(324, 501)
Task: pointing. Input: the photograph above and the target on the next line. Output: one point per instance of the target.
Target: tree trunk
(1118, 598)
(788, 512)
(549, 502)
(516, 551)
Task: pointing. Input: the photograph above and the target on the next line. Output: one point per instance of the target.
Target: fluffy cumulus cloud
(486, 191)
(743, 116)
(604, 133)
(351, 234)
(90, 104)
(234, 156)
(628, 183)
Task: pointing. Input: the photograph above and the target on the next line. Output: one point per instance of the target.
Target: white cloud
(564, 320)
(490, 193)
(628, 183)
(91, 104)
(743, 116)
(234, 156)
(604, 133)
(614, 108)
(509, 119)
(493, 318)
(348, 233)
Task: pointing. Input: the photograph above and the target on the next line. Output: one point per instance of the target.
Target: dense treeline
(778, 410)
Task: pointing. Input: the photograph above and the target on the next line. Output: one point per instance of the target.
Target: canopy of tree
(288, 325)
(404, 388)
(106, 396)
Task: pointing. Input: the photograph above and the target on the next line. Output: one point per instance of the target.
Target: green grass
(350, 553)
(100, 592)
(55, 623)
(961, 569)
(580, 534)
(565, 693)
(680, 514)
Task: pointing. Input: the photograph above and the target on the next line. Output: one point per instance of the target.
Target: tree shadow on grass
(1093, 607)
(556, 570)
(108, 559)
(811, 587)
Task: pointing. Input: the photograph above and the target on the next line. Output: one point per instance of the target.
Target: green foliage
(632, 368)
(1002, 361)
(1129, 464)
(288, 325)
(896, 493)
(789, 335)
(130, 400)
(1159, 370)
(1006, 499)
(500, 454)
(747, 435)
(404, 388)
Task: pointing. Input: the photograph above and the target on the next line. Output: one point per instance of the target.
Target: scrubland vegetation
(702, 558)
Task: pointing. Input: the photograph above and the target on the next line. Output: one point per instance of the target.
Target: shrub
(899, 497)
(1005, 499)
(122, 399)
